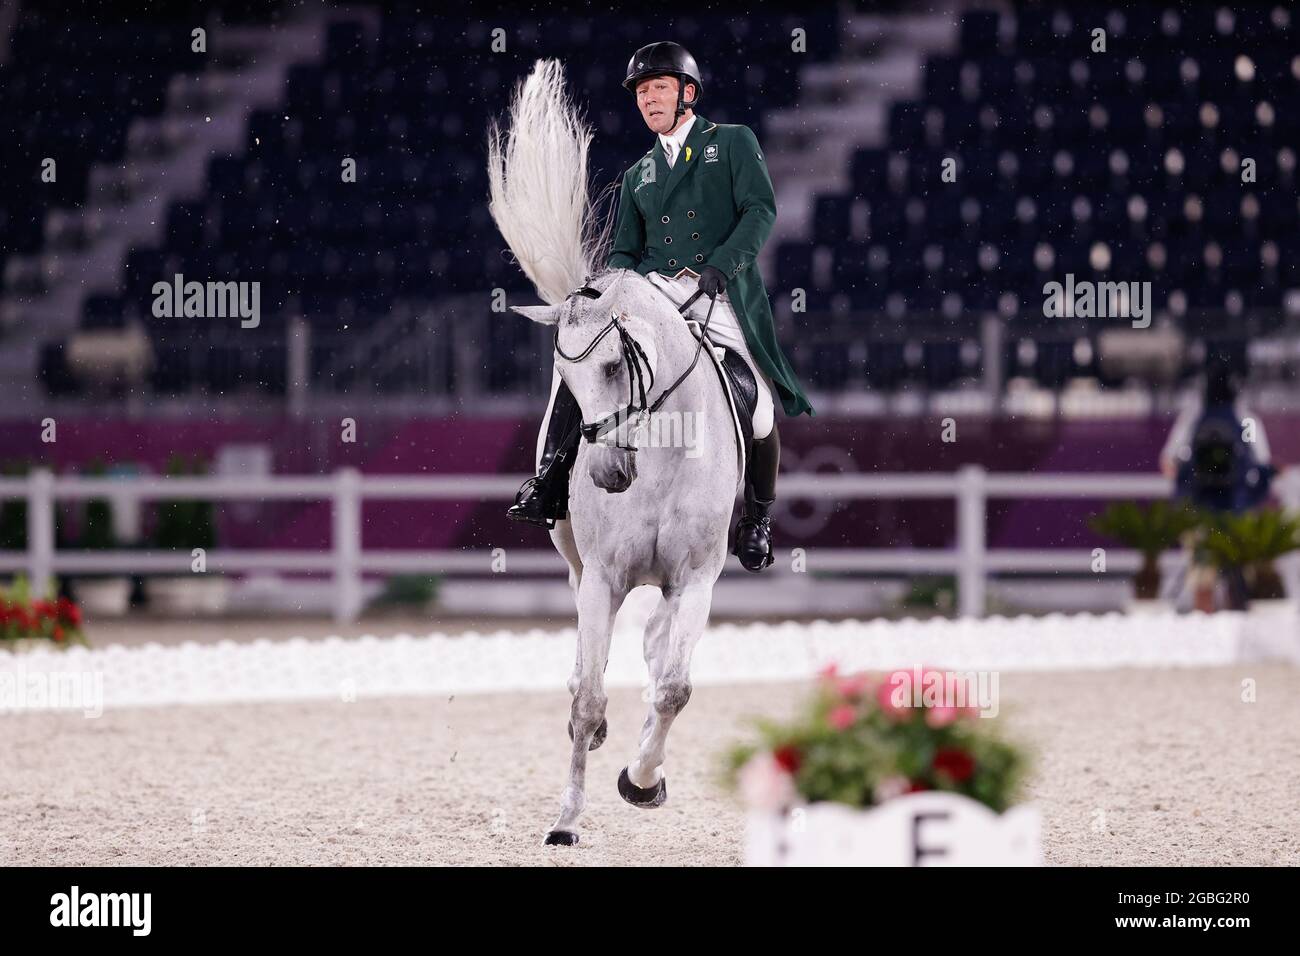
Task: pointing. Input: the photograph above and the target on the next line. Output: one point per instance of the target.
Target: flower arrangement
(860, 742)
(23, 617)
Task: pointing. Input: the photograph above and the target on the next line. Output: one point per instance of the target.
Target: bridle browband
(638, 366)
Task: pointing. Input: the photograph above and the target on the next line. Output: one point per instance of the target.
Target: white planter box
(920, 829)
(188, 595)
(1148, 606)
(1271, 630)
(26, 645)
(103, 597)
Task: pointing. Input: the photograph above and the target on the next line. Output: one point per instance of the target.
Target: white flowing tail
(537, 182)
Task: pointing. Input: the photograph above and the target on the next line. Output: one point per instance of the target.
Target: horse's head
(607, 351)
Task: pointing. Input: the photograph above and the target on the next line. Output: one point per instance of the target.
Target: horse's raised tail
(537, 183)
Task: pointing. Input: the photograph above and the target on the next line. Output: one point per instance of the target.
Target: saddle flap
(739, 388)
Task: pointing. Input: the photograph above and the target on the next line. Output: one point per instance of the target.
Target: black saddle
(741, 390)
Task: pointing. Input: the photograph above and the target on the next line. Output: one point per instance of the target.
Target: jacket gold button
(695, 235)
(672, 262)
(698, 257)
(664, 219)
(690, 214)
(668, 240)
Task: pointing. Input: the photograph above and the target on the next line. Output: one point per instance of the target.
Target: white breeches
(546, 419)
(724, 330)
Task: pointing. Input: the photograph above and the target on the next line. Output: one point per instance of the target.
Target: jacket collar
(679, 138)
(701, 130)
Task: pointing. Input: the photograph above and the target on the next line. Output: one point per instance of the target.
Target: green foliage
(409, 589)
(185, 524)
(1150, 529)
(1252, 542)
(13, 525)
(97, 519)
(97, 527)
(13, 512)
(936, 593)
(1255, 537)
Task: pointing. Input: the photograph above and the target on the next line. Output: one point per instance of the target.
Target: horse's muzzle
(612, 469)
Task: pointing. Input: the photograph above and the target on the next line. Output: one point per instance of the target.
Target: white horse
(650, 515)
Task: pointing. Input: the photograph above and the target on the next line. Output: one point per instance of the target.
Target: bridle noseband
(638, 367)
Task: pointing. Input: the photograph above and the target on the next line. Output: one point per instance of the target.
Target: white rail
(970, 487)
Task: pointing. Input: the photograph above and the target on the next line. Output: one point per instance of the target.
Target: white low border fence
(971, 561)
(500, 661)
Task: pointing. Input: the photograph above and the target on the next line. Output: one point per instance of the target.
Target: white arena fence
(971, 561)
(502, 661)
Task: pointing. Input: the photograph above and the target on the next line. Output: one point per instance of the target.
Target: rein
(638, 366)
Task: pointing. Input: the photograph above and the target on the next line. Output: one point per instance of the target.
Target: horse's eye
(612, 369)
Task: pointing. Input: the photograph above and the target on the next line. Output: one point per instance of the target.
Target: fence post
(971, 540)
(347, 544)
(40, 529)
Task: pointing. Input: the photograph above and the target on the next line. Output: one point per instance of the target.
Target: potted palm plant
(884, 770)
(100, 594)
(1150, 530)
(13, 513)
(182, 526)
(1246, 547)
(1252, 542)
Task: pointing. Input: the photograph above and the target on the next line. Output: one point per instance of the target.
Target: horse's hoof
(599, 737)
(645, 797)
(561, 838)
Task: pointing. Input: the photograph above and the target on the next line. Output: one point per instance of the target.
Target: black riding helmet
(665, 58)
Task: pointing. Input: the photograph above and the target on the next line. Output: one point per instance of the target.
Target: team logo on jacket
(711, 153)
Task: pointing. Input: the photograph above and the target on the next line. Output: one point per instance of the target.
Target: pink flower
(854, 686)
(941, 716)
(764, 785)
(829, 672)
(891, 787)
(843, 716)
(893, 689)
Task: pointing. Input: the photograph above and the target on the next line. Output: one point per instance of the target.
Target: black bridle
(638, 366)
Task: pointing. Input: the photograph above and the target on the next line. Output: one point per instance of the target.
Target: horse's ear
(545, 314)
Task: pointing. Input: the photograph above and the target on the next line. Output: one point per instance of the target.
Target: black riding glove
(712, 281)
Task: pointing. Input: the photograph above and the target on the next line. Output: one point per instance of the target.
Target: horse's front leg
(598, 602)
(686, 613)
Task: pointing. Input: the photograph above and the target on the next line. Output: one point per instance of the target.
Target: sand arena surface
(1136, 766)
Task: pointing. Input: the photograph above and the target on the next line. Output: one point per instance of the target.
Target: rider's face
(656, 98)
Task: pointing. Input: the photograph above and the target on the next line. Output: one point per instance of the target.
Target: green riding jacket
(714, 207)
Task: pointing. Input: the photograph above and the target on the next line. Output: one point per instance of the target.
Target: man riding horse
(692, 213)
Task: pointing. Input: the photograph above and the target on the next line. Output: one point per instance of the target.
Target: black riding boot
(754, 531)
(544, 499)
